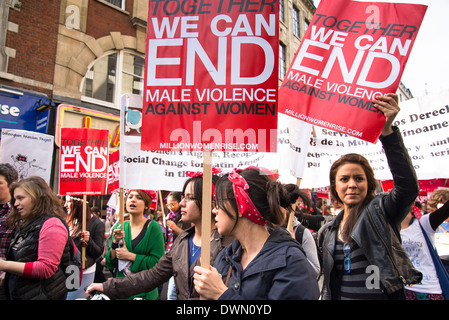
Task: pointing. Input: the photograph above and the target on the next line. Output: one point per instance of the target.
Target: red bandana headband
(151, 193)
(193, 174)
(417, 213)
(244, 203)
(68, 198)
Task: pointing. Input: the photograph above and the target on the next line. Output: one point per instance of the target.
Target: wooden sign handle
(121, 211)
(162, 209)
(83, 227)
(206, 210)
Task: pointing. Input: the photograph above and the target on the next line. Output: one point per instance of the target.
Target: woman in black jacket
(39, 253)
(257, 265)
(362, 253)
(92, 239)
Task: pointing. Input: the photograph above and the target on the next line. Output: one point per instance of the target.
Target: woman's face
(23, 202)
(189, 210)
(223, 222)
(135, 203)
(172, 204)
(68, 205)
(351, 184)
(4, 190)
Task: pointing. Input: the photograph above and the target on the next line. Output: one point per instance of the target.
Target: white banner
(304, 151)
(424, 124)
(166, 170)
(30, 153)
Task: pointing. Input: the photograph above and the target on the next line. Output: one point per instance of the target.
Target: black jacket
(280, 271)
(24, 248)
(95, 246)
(377, 229)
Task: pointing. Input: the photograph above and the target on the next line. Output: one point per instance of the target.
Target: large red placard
(211, 76)
(83, 161)
(351, 53)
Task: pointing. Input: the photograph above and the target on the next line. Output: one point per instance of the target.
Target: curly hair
(439, 196)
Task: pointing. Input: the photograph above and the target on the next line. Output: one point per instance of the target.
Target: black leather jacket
(377, 230)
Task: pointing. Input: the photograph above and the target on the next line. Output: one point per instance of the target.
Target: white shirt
(415, 245)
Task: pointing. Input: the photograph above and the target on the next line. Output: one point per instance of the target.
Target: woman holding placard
(139, 245)
(362, 253)
(257, 265)
(182, 257)
(92, 239)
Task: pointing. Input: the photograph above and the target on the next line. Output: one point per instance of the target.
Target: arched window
(111, 76)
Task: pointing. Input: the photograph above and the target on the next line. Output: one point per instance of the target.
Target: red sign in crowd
(211, 76)
(351, 53)
(83, 161)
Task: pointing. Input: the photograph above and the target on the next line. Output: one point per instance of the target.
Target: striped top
(359, 283)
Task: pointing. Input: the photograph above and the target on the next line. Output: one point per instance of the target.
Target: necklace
(194, 252)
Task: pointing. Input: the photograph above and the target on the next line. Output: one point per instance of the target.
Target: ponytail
(277, 197)
(267, 195)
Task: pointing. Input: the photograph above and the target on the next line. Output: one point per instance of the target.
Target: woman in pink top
(39, 251)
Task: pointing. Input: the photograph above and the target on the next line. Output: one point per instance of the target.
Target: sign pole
(162, 208)
(83, 227)
(206, 211)
(121, 208)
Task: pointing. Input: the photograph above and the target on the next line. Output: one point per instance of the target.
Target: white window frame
(282, 61)
(123, 4)
(295, 21)
(118, 80)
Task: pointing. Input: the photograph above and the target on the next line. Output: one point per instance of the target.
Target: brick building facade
(77, 57)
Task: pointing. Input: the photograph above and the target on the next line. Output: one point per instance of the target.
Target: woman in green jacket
(140, 244)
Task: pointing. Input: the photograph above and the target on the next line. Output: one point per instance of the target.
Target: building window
(113, 75)
(281, 10)
(117, 3)
(295, 21)
(282, 60)
(306, 25)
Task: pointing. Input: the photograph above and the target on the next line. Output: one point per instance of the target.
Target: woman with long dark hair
(258, 264)
(92, 239)
(362, 253)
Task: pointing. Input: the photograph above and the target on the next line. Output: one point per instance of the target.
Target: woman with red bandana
(257, 265)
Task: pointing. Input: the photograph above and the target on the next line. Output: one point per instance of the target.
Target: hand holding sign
(388, 105)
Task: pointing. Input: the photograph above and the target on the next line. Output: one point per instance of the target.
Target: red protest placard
(211, 76)
(351, 53)
(114, 171)
(83, 161)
